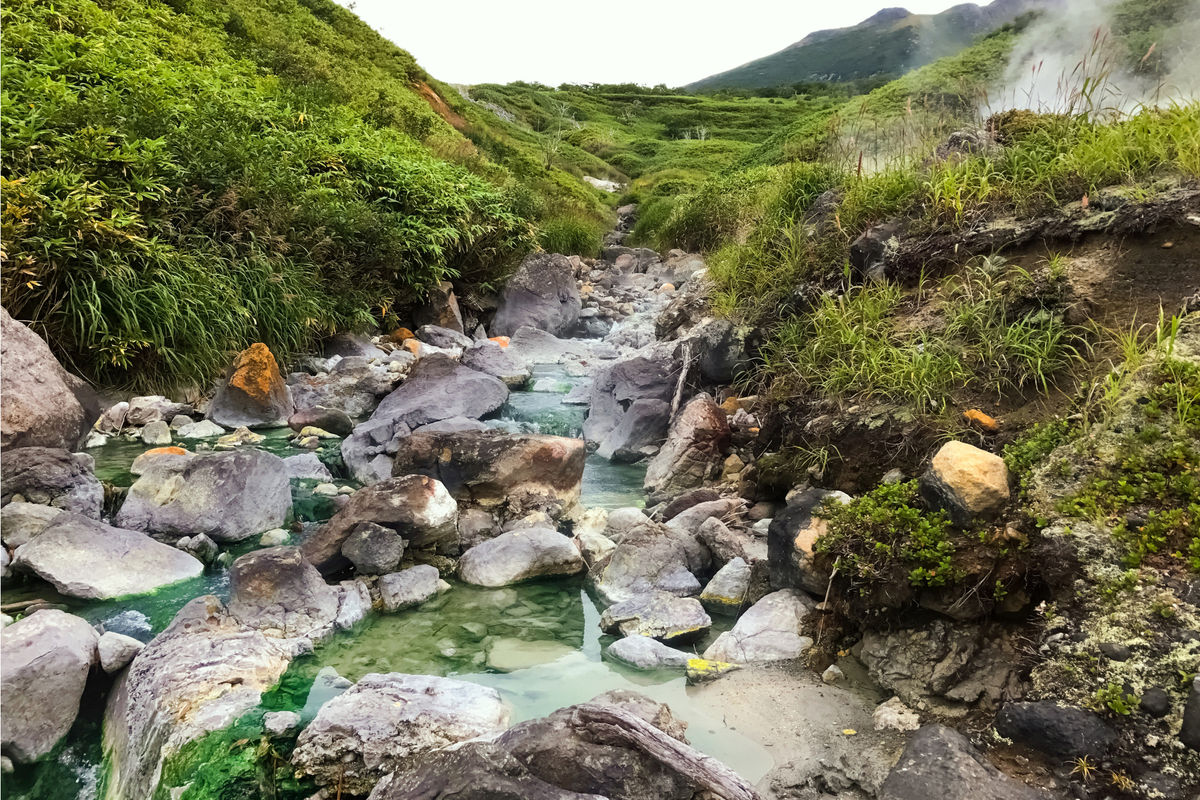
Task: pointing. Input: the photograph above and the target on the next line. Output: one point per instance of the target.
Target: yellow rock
(320, 433)
(701, 670)
(970, 482)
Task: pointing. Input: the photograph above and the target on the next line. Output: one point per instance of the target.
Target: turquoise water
(538, 644)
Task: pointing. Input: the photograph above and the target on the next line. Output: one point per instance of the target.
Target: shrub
(570, 236)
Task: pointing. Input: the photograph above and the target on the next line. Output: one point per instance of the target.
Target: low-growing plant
(570, 236)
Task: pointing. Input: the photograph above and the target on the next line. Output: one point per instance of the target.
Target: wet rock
(255, 395)
(204, 429)
(281, 723)
(354, 603)
(1189, 733)
(512, 475)
(416, 507)
(541, 294)
(565, 756)
(408, 588)
(649, 557)
(389, 722)
(768, 631)
(657, 615)
(46, 657)
(280, 591)
(273, 538)
(446, 338)
(116, 650)
(334, 420)
(520, 556)
(307, 466)
(227, 496)
(940, 758)
(157, 433)
(85, 558)
(728, 590)
(968, 482)
(52, 477)
(437, 388)
(20, 522)
(373, 549)
(650, 375)
(490, 358)
(43, 404)
(642, 652)
(1058, 731)
(200, 547)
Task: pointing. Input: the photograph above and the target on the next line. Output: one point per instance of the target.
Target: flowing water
(538, 644)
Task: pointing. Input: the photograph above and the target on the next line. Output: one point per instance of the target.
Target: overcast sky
(567, 41)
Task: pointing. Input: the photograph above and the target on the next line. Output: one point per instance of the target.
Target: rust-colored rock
(500, 340)
(980, 420)
(400, 335)
(255, 395)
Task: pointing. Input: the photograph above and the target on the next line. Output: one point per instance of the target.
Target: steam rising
(1068, 61)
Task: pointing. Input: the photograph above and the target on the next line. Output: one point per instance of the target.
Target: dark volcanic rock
(939, 761)
(1058, 731)
(541, 294)
(52, 477)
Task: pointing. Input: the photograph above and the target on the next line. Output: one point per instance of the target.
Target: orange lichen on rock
(400, 335)
(255, 373)
(500, 340)
(166, 451)
(413, 346)
(981, 420)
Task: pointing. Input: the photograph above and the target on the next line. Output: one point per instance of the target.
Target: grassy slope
(181, 180)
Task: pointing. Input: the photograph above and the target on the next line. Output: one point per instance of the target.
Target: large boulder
(650, 375)
(282, 593)
(520, 555)
(968, 482)
(541, 294)
(390, 722)
(512, 474)
(255, 395)
(792, 539)
(445, 338)
(693, 452)
(441, 308)
(657, 615)
(1063, 732)
(437, 388)
(373, 549)
(43, 404)
(719, 349)
(145, 409)
(354, 386)
(940, 758)
(350, 345)
(20, 522)
(490, 358)
(638, 433)
(415, 506)
(409, 587)
(769, 631)
(52, 477)
(44, 661)
(227, 496)
(333, 420)
(650, 557)
(85, 558)
(729, 589)
(571, 755)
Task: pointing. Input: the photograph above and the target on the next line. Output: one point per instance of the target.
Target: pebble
(325, 489)
(833, 674)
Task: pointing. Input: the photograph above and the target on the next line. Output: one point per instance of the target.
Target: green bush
(570, 236)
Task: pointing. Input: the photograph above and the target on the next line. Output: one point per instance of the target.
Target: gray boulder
(729, 589)
(353, 387)
(227, 496)
(441, 308)
(52, 477)
(199, 546)
(490, 358)
(43, 404)
(657, 615)
(204, 429)
(941, 758)
(541, 294)
(443, 337)
(437, 388)
(152, 408)
(334, 420)
(349, 345)
(769, 631)
(649, 375)
(520, 556)
(279, 592)
(85, 558)
(307, 466)
(46, 657)
(255, 395)
(692, 520)
(409, 587)
(416, 507)
(373, 549)
(20, 522)
(642, 652)
(389, 722)
(693, 452)
(649, 557)
(720, 350)
(1063, 732)
(1189, 733)
(638, 433)
(116, 650)
(452, 425)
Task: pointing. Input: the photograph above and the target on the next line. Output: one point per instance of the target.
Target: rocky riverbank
(288, 528)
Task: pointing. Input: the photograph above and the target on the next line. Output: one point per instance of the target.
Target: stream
(538, 644)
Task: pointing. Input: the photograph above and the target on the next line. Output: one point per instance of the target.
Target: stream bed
(538, 644)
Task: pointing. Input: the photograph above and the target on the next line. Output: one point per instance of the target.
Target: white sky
(652, 41)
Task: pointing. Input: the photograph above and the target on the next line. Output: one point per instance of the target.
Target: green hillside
(183, 179)
(888, 44)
